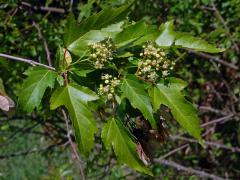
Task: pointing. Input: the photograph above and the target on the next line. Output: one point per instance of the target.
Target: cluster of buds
(109, 86)
(101, 52)
(153, 63)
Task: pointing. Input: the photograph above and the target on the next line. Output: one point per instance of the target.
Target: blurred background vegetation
(32, 145)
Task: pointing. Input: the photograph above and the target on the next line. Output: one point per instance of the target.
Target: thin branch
(33, 63)
(218, 120)
(188, 169)
(44, 43)
(174, 151)
(221, 61)
(208, 143)
(220, 18)
(73, 145)
(70, 6)
(42, 8)
(210, 109)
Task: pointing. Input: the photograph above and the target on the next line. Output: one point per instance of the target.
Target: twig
(232, 96)
(72, 144)
(188, 169)
(221, 61)
(218, 120)
(9, 18)
(208, 143)
(174, 151)
(210, 109)
(70, 6)
(42, 8)
(33, 63)
(219, 16)
(44, 43)
(209, 130)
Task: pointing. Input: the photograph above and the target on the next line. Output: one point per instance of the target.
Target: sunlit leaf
(169, 37)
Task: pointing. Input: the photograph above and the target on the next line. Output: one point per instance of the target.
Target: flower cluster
(153, 63)
(109, 86)
(101, 52)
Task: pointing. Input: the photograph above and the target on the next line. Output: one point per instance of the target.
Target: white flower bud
(165, 73)
(110, 96)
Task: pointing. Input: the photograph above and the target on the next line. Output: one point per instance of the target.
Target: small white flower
(110, 96)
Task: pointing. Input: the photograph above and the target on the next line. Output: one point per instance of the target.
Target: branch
(210, 109)
(218, 120)
(220, 18)
(174, 151)
(188, 169)
(42, 8)
(72, 144)
(33, 63)
(221, 61)
(44, 43)
(208, 143)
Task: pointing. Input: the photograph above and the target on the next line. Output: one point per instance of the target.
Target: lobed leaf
(80, 46)
(135, 92)
(169, 37)
(136, 34)
(75, 98)
(182, 110)
(39, 79)
(115, 134)
(104, 18)
(190, 42)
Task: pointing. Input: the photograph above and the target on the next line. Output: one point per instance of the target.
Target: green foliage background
(18, 36)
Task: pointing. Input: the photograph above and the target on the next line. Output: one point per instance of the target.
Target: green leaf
(177, 83)
(75, 98)
(130, 34)
(115, 134)
(104, 18)
(136, 34)
(97, 21)
(134, 91)
(151, 34)
(169, 37)
(83, 72)
(182, 110)
(190, 42)
(60, 80)
(71, 31)
(33, 88)
(113, 29)
(80, 46)
(86, 9)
